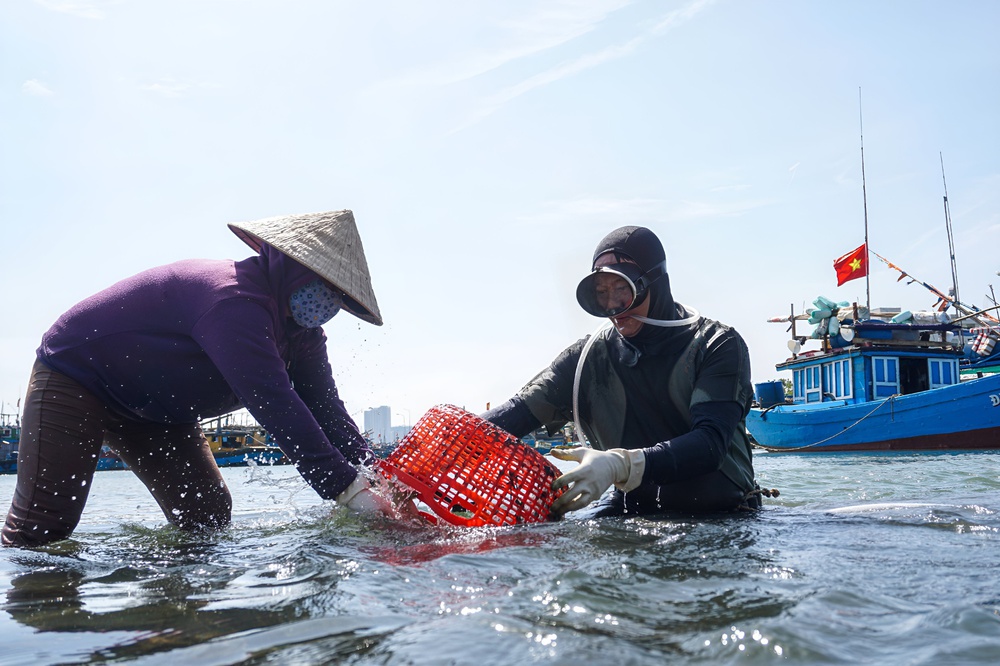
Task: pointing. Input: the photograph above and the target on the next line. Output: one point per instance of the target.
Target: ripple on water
(908, 578)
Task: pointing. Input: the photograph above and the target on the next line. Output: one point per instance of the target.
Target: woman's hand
(367, 500)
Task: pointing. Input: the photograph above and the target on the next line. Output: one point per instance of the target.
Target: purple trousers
(62, 430)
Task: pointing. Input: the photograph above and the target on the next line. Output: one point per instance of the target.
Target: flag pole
(864, 197)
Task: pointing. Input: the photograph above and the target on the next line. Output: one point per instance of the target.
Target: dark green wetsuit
(680, 395)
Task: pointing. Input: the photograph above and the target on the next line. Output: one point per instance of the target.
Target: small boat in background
(10, 439)
(108, 460)
(882, 380)
(233, 444)
(10, 436)
(542, 441)
(239, 444)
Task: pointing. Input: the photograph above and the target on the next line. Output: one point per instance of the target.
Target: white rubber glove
(359, 498)
(362, 498)
(597, 471)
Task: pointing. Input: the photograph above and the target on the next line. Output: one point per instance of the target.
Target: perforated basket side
(471, 473)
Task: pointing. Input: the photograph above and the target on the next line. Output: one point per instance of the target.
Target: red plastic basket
(470, 472)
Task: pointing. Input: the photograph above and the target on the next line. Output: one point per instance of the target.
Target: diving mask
(611, 290)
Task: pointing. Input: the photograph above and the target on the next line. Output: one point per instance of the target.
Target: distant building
(378, 424)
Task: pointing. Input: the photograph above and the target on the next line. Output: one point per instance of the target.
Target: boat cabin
(855, 375)
(882, 360)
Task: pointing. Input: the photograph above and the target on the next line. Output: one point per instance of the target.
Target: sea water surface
(863, 558)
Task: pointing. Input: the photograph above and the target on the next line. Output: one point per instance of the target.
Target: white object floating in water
(884, 506)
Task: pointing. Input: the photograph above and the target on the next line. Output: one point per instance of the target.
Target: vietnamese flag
(852, 265)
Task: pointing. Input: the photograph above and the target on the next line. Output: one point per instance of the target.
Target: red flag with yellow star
(852, 265)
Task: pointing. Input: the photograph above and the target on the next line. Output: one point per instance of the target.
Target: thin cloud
(548, 28)
(738, 187)
(676, 17)
(595, 207)
(88, 10)
(982, 195)
(564, 70)
(589, 61)
(697, 210)
(637, 209)
(168, 88)
(918, 241)
(792, 170)
(36, 88)
(845, 178)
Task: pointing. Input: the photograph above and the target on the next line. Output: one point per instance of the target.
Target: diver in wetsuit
(661, 395)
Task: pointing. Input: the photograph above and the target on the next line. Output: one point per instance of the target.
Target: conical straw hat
(328, 244)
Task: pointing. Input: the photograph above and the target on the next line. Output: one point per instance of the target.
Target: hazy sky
(485, 148)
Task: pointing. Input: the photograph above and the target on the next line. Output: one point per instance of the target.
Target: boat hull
(965, 416)
(245, 457)
(109, 463)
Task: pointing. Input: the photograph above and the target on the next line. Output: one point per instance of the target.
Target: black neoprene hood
(637, 243)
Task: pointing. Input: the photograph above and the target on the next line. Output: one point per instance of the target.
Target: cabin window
(837, 383)
(814, 389)
(812, 383)
(943, 371)
(885, 376)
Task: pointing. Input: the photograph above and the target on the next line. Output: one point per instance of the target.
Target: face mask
(314, 304)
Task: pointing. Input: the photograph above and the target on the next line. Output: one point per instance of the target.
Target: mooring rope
(879, 406)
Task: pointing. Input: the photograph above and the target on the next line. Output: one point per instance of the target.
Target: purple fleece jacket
(198, 339)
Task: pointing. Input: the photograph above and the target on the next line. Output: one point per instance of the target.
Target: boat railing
(867, 343)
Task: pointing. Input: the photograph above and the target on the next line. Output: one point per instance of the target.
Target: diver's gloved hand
(359, 498)
(597, 471)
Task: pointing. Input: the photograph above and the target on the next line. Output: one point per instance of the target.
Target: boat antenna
(864, 197)
(951, 238)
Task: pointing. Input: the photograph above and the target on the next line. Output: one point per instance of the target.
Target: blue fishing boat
(232, 445)
(108, 460)
(246, 456)
(10, 436)
(885, 380)
(542, 440)
(240, 444)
